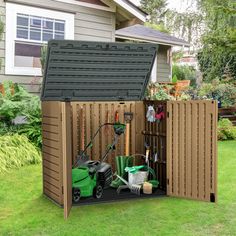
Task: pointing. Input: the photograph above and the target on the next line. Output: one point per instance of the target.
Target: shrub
(184, 73)
(16, 104)
(174, 79)
(16, 151)
(226, 130)
(224, 92)
(160, 92)
(21, 103)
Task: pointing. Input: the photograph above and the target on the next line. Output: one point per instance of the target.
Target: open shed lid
(97, 71)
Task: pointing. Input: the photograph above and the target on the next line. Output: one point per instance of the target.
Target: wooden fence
(192, 149)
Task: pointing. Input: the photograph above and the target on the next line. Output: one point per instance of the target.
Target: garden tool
(155, 157)
(128, 117)
(82, 131)
(121, 163)
(118, 130)
(147, 151)
(134, 188)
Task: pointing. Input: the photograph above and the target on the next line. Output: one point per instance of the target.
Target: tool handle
(127, 135)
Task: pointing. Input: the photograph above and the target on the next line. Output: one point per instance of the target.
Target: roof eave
(152, 40)
(132, 9)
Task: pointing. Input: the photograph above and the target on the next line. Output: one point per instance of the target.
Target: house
(30, 24)
(188, 60)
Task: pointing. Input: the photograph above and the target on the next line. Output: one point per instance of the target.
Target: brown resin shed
(85, 84)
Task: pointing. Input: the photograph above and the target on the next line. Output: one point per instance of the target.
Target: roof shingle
(145, 33)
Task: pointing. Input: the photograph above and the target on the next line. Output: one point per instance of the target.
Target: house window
(27, 29)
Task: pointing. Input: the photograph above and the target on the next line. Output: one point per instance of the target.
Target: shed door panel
(192, 149)
(51, 150)
(67, 157)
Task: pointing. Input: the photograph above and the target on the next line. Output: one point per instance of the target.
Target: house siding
(90, 25)
(163, 67)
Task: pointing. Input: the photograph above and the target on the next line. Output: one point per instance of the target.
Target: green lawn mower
(89, 177)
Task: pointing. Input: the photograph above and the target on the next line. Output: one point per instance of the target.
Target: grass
(24, 211)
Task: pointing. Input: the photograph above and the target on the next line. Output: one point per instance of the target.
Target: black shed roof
(97, 71)
(146, 34)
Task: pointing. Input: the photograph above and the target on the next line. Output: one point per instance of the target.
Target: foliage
(17, 151)
(156, 10)
(33, 129)
(186, 25)
(184, 97)
(159, 92)
(174, 78)
(21, 103)
(160, 27)
(13, 105)
(176, 55)
(226, 130)
(224, 92)
(217, 58)
(184, 73)
(217, 63)
(8, 129)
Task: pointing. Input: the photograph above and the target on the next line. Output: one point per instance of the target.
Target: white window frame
(11, 27)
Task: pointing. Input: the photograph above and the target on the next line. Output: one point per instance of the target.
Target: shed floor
(110, 195)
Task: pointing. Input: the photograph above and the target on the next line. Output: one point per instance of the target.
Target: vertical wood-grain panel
(194, 128)
(67, 157)
(201, 153)
(181, 149)
(192, 149)
(169, 149)
(51, 154)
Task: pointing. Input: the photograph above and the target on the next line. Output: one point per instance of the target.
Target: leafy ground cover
(25, 211)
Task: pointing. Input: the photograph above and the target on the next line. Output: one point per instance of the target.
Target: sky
(179, 5)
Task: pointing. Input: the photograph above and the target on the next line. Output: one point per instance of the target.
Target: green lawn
(24, 211)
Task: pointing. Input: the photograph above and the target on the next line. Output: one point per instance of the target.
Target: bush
(25, 104)
(16, 151)
(224, 92)
(226, 130)
(184, 73)
(160, 92)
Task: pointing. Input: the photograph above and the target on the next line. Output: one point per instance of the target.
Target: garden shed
(88, 84)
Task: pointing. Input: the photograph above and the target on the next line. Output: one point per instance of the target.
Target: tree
(156, 10)
(217, 58)
(187, 25)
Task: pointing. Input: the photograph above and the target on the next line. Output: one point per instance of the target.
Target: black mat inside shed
(110, 195)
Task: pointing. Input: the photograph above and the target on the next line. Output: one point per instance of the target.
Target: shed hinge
(168, 114)
(61, 116)
(62, 189)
